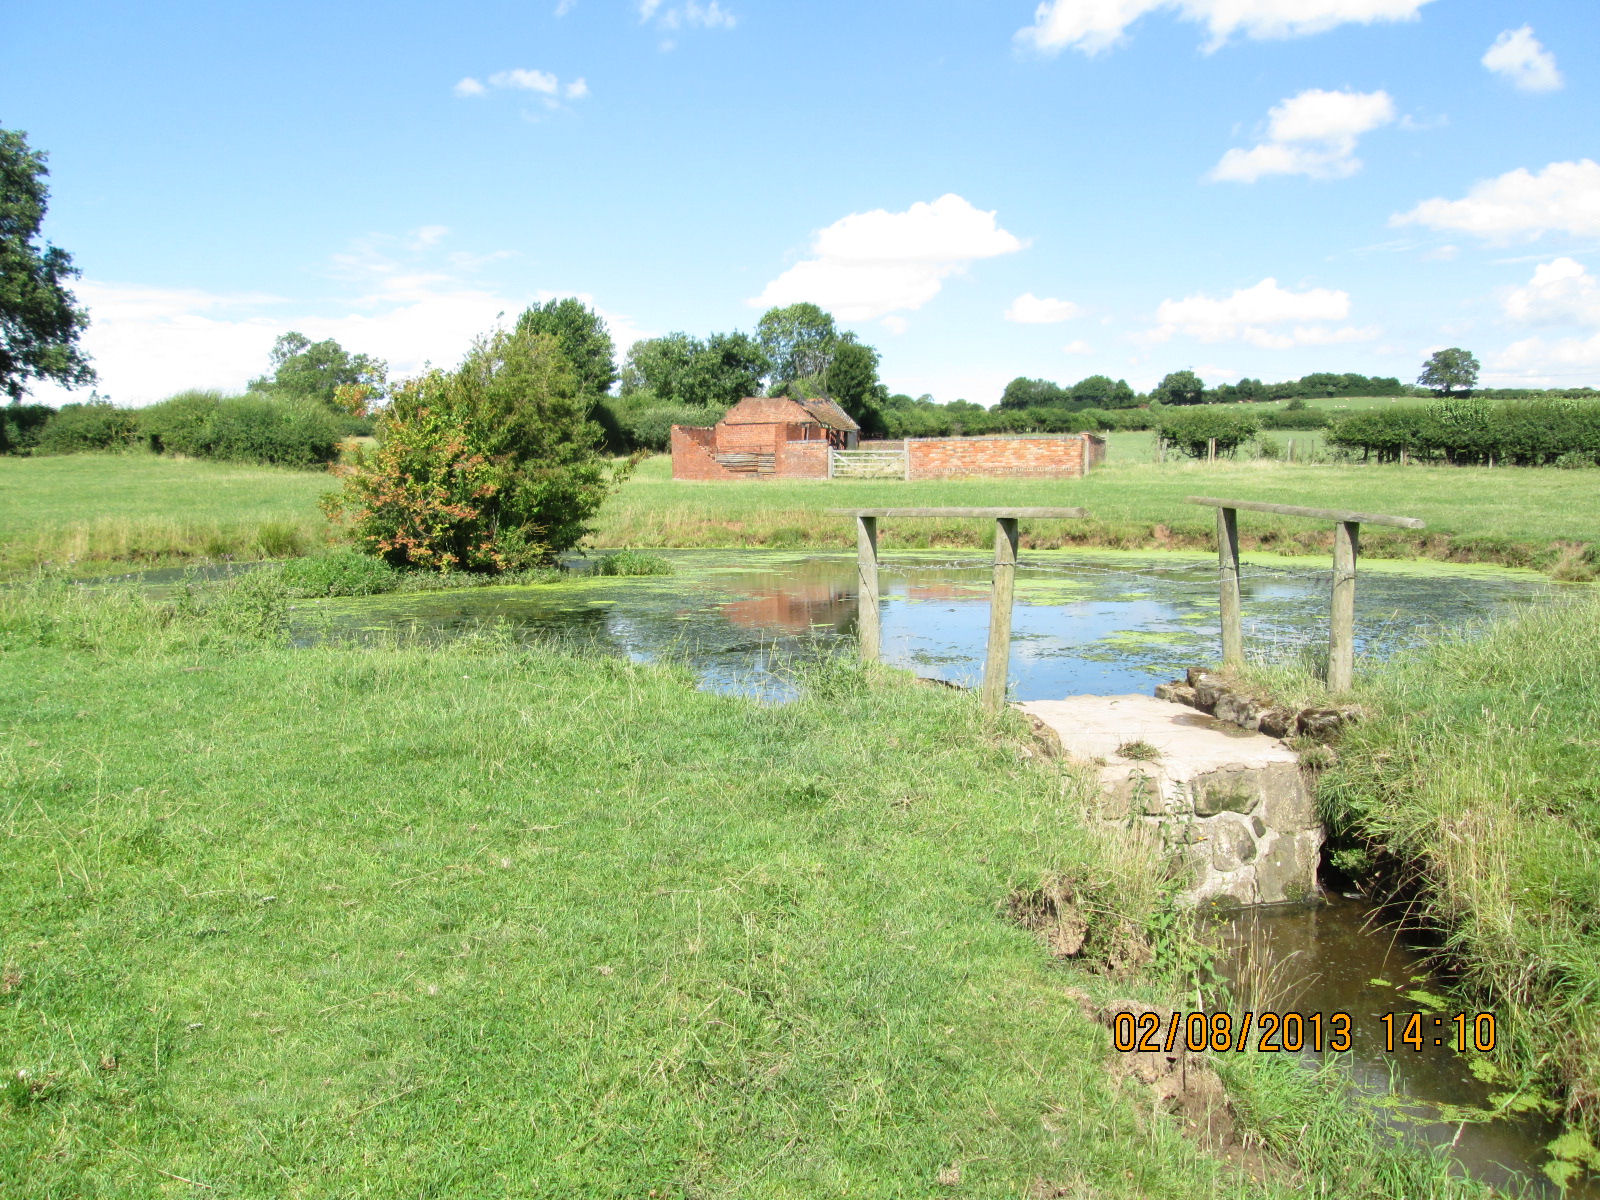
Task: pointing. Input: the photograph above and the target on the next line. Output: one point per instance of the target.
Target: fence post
(867, 621)
(1228, 585)
(997, 664)
(1342, 622)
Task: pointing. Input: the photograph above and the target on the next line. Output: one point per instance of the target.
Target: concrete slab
(1232, 803)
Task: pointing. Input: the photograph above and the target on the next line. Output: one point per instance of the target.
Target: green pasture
(480, 919)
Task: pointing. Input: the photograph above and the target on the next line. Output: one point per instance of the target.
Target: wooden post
(867, 620)
(1228, 585)
(1291, 450)
(997, 665)
(1342, 624)
(1211, 450)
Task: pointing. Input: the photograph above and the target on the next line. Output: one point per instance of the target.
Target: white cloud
(521, 77)
(1028, 309)
(1518, 56)
(691, 14)
(524, 79)
(870, 264)
(563, 7)
(1094, 26)
(1536, 361)
(1253, 315)
(401, 301)
(1313, 133)
(895, 325)
(1077, 347)
(1562, 198)
(1561, 292)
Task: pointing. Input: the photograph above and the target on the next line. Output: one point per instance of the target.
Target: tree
(495, 465)
(799, 340)
(1181, 387)
(322, 371)
(1022, 392)
(727, 368)
(40, 320)
(1448, 371)
(583, 337)
(852, 383)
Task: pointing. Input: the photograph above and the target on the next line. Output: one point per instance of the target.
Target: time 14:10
(1471, 1031)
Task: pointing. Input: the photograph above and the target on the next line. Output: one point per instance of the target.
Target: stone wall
(1044, 457)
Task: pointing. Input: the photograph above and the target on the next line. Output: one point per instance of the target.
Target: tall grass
(1474, 783)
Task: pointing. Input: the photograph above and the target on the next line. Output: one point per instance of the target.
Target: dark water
(1083, 624)
(1337, 958)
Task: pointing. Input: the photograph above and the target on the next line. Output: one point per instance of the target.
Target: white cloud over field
(1562, 198)
(1313, 133)
(1094, 26)
(1265, 315)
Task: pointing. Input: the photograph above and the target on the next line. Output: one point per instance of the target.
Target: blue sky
(981, 188)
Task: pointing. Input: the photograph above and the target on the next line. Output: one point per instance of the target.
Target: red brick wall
(802, 460)
(748, 439)
(691, 454)
(1013, 457)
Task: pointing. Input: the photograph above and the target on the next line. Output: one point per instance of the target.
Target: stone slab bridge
(1232, 803)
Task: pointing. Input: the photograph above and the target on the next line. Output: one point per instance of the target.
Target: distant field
(90, 508)
(1517, 517)
(87, 511)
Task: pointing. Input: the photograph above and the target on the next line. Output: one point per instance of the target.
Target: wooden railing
(1342, 611)
(998, 659)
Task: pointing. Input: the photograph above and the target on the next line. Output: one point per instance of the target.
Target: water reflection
(1083, 624)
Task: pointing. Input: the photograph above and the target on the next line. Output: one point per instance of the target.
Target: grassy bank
(474, 920)
(1472, 791)
(83, 510)
(91, 512)
(1537, 518)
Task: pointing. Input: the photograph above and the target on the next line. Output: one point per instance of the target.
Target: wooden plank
(867, 620)
(993, 514)
(1228, 586)
(996, 666)
(1342, 621)
(1324, 514)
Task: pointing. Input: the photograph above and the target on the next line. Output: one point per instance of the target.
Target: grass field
(86, 512)
(477, 920)
(87, 509)
(1536, 518)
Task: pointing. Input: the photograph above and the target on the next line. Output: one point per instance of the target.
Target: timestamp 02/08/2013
(1292, 1032)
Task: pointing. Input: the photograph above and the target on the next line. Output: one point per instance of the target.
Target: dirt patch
(1054, 914)
(1177, 1081)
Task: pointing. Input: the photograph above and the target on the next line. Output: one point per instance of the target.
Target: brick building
(764, 435)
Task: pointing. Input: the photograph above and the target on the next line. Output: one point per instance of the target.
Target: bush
(97, 425)
(257, 427)
(1513, 433)
(20, 426)
(632, 562)
(340, 573)
(651, 428)
(494, 466)
(1193, 429)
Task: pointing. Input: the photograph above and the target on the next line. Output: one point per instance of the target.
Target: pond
(1097, 624)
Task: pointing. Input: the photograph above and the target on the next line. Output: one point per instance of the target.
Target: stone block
(1287, 805)
(1238, 708)
(1287, 869)
(1232, 789)
(1278, 722)
(1232, 844)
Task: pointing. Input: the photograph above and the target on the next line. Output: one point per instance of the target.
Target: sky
(981, 189)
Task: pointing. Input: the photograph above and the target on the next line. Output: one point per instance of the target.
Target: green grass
(80, 510)
(1474, 784)
(1513, 517)
(478, 920)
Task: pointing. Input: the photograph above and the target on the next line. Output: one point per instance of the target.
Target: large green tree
(583, 337)
(679, 369)
(1181, 387)
(852, 383)
(309, 370)
(40, 321)
(799, 339)
(1450, 371)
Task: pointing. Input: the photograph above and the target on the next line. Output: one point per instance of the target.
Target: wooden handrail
(1322, 514)
(993, 514)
